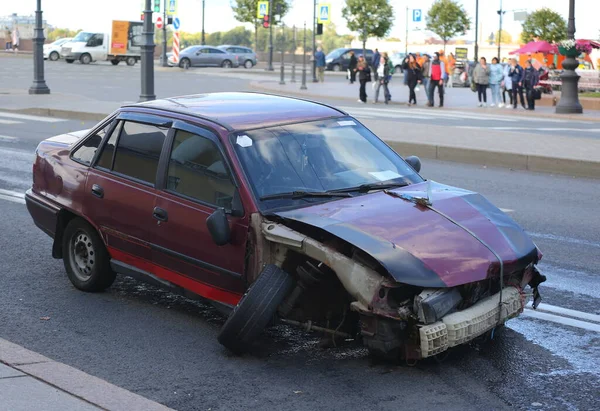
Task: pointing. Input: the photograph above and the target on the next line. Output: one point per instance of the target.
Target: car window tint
(106, 157)
(197, 170)
(138, 151)
(217, 51)
(85, 153)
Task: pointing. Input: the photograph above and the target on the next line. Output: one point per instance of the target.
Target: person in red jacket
(438, 74)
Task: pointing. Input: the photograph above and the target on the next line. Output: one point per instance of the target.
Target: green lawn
(590, 94)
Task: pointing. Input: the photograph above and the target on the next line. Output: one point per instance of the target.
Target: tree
(238, 36)
(245, 12)
(506, 37)
(369, 18)
(544, 24)
(331, 40)
(58, 33)
(447, 19)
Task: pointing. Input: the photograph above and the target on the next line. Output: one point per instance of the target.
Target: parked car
(397, 59)
(205, 56)
(52, 50)
(339, 59)
(272, 207)
(246, 56)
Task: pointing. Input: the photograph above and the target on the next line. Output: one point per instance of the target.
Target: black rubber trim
(50, 211)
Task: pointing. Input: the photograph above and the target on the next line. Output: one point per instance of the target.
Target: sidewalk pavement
(32, 382)
(571, 155)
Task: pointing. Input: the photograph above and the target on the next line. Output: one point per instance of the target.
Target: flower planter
(568, 52)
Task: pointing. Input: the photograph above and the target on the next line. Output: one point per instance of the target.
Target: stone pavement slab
(9, 372)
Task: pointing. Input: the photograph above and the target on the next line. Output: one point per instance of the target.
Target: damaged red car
(279, 209)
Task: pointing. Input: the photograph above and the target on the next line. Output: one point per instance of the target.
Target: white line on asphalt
(564, 239)
(7, 139)
(567, 312)
(591, 130)
(31, 118)
(561, 320)
(12, 193)
(13, 199)
(415, 113)
(9, 122)
(507, 210)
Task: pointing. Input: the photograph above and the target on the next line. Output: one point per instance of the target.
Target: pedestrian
(364, 76)
(404, 63)
(516, 74)
(320, 61)
(8, 38)
(496, 76)
(451, 68)
(438, 72)
(15, 39)
(481, 76)
(426, 72)
(385, 69)
(506, 86)
(375, 65)
(531, 78)
(412, 72)
(352, 67)
(444, 59)
(419, 58)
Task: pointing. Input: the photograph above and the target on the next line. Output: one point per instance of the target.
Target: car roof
(245, 110)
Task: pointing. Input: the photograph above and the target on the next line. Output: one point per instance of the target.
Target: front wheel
(248, 64)
(226, 64)
(53, 56)
(130, 61)
(85, 59)
(85, 258)
(336, 67)
(184, 64)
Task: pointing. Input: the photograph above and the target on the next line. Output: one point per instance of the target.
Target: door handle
(98, 191)
(160, 214)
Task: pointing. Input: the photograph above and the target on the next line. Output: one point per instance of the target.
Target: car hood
(437, 246)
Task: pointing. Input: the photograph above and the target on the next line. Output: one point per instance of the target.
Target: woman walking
(531, 77)
(364, 76)
(481, 76)
(384, 75)
(413, 76)
(496, 75)
(352, 67)
(16, 39)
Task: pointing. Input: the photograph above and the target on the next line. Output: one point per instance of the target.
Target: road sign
(159, 23)
(172, 7)
(324, 13)
(176, 23)
(417, 15)
(263, 9)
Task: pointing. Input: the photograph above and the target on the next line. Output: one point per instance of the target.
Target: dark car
(339, 59)
(273, 207)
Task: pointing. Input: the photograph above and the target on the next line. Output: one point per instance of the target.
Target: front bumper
(70, 56)
(463, 326)
(43, 213)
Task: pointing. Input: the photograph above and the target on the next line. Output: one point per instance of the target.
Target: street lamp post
(203, 34)
(500, 13)
(569, 99)
(294, 57)
(282, 68)
(406, 36)
(39, 84)
(147, 55)
(303, 86)
(164, 30)
(314, 44)
(270, 66)
(476, 30)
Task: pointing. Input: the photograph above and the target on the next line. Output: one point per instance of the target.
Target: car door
(217, 56)
(120, 192)
(97, 49)
(197, 180)
(202, 57)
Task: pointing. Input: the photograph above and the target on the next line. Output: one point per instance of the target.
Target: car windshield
(319, 156)
(335, 54)
(82, 37)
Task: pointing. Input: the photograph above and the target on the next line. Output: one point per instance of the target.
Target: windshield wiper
(303, 194)
(365, 188)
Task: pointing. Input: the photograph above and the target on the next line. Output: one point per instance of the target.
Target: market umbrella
(537, 47)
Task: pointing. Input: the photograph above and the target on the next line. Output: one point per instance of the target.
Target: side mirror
(414, 162)
(218, 227)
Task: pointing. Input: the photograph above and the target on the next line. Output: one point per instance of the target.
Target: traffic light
(157, 6)
(266, 21)
(319, 29)
(169, 20)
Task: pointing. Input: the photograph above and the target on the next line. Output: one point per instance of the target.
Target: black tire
(53, 56)
(256, 308)
(85, 58)
(86, 260)
(248, 64)
(336, 68)
(226, 64)
(130, 61)
(114, 62)
(70, 61)
(185, 64)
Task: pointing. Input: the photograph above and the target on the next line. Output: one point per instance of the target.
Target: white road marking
(564, 239)
(561, 320)
(507, 210)
(590, 130)
(567, 312)
(12, 193)
(8, 139)
(9, 122)
(31, 118)
(13, 199)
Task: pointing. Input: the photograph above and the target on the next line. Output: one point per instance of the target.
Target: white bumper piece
(462, 326)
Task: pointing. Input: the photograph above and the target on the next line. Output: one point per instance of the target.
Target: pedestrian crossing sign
(263, 9)
(172, 7)
(324, 13)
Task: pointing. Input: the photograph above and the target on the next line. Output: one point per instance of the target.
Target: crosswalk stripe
(31, 118)
(9, 122)
(12, 199)
(584, 325)
(589, 130)
(567, 312)
(8, 139)
(424, 114)
(12, 193)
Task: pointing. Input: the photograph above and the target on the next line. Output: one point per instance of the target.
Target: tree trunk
(365, 48)
(255, 37)
(445, 41)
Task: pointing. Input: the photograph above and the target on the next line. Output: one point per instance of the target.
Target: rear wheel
(256, 308)
(86, 260)
(69, 61)
(114, 62)
(85, 59)
(53, 56)
(336, 67)
(226, 64)
(184, 64)
(248, 64)
(130, 61)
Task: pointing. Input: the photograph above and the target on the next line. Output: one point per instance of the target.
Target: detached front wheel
(86, 260)
(256, 309)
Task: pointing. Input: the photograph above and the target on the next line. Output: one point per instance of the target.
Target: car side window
(217, 51)
(198, 170)
(85, 153)
(346, 56)
(106, 157)
(138, 150)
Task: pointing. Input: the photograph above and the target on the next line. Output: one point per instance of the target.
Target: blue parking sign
(417, 15)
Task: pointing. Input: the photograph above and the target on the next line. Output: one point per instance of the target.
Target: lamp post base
(569, 99)
(39, 88)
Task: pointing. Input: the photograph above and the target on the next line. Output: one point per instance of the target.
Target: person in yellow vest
(451, 67)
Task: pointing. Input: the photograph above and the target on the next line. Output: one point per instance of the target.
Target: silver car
(246, 56)
(205, 56)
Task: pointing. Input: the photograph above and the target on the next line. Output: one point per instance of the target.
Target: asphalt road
(164, 347)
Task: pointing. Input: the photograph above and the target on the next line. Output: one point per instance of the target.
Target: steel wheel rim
(82, 255)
